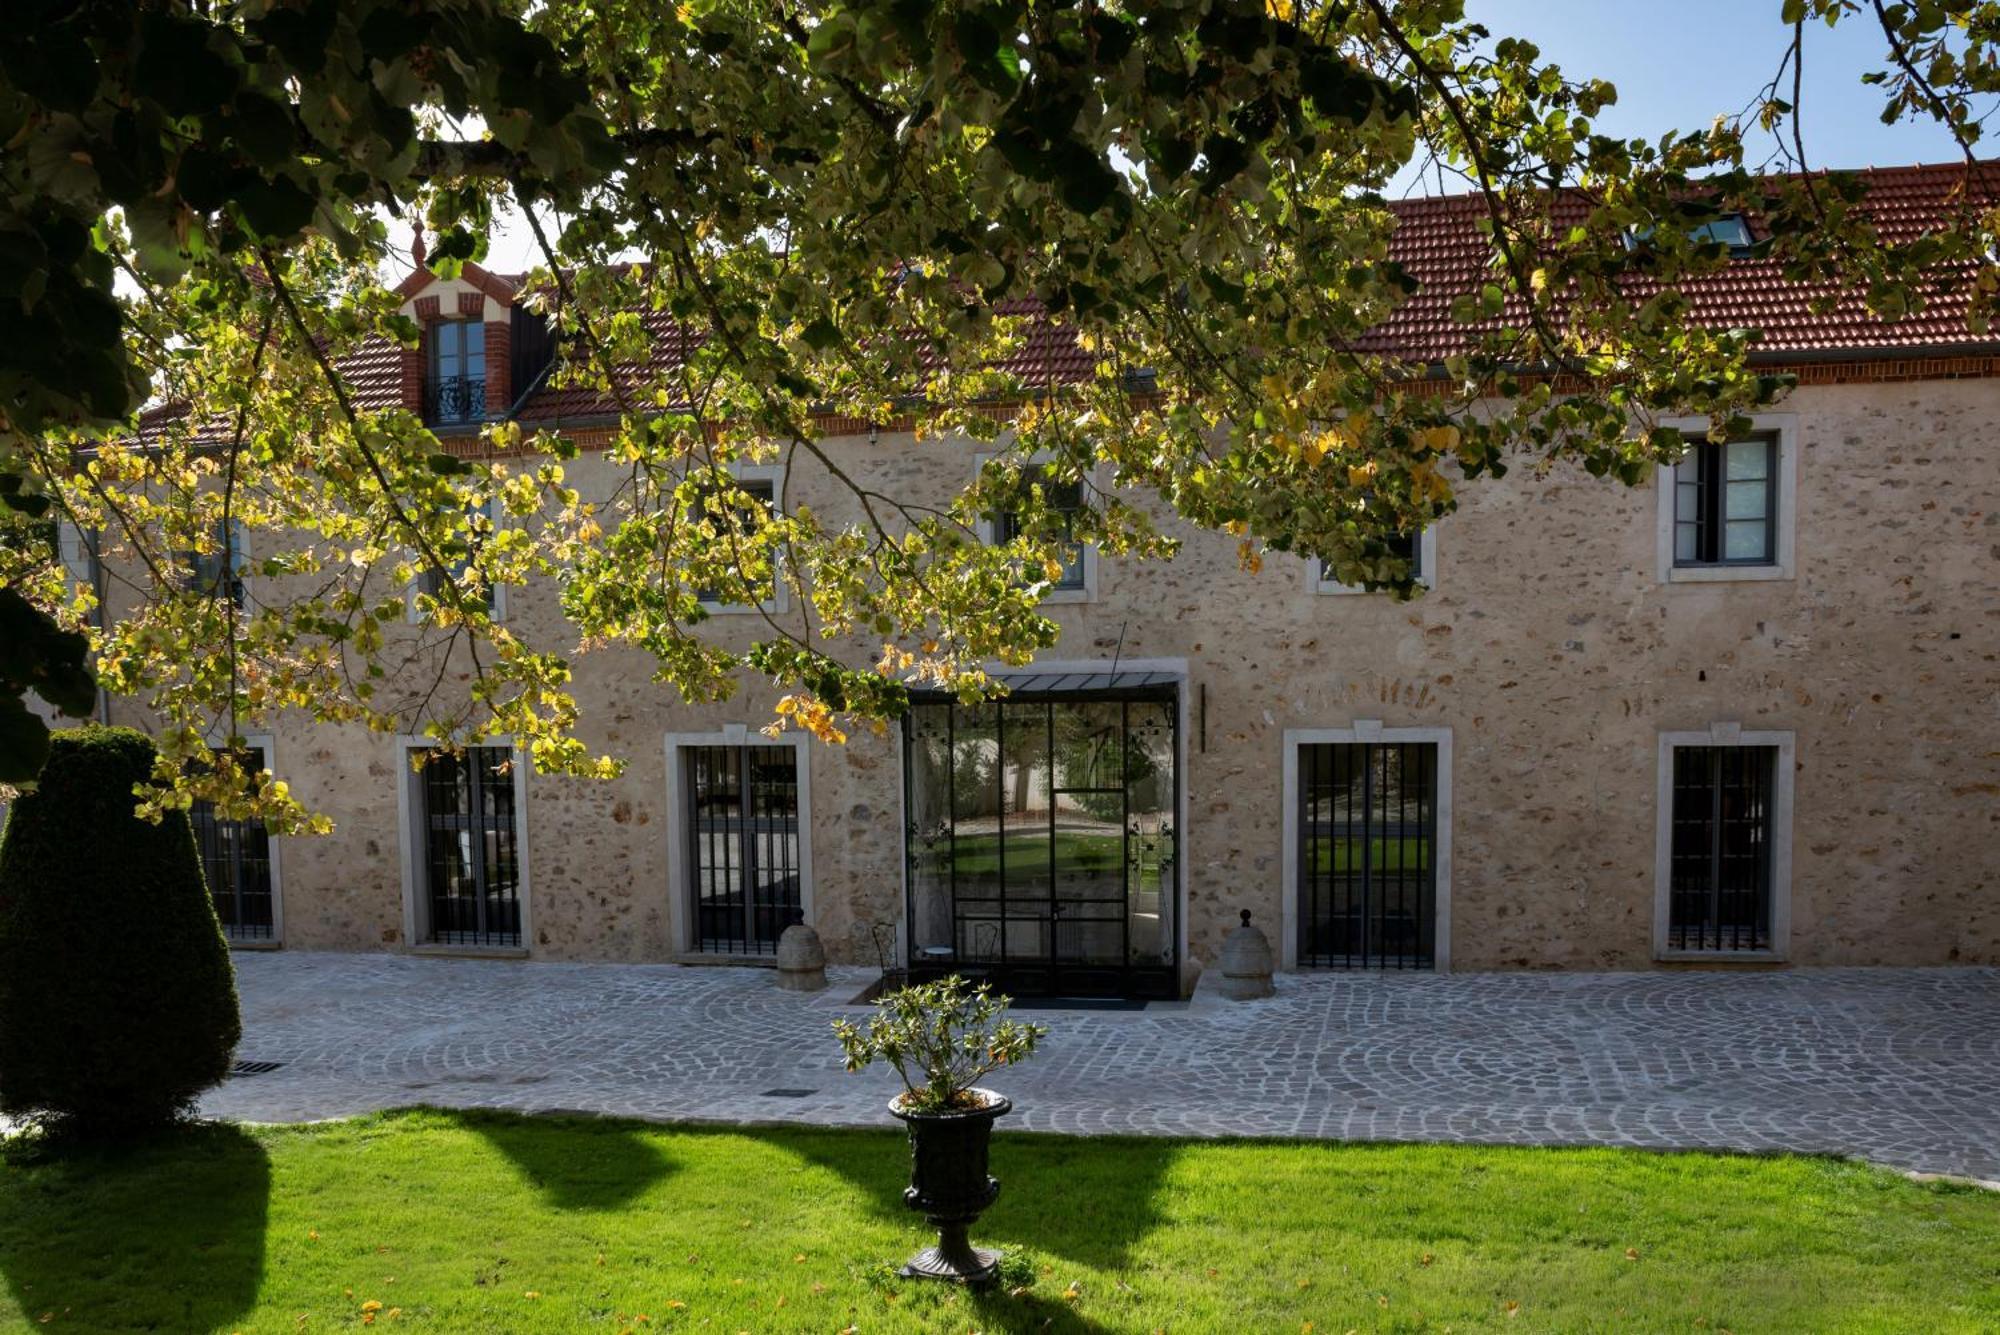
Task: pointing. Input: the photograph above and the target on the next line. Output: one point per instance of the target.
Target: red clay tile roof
(1440, 245)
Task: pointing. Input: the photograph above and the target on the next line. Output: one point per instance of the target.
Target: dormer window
(455, 392)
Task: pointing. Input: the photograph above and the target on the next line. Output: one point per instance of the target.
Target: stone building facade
(1583, 747)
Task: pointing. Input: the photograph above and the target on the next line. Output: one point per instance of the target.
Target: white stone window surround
(268, 744)
(681, 923)
(1087, 592)
(1427, 562)
(1785, 428)
(410, 848)
(1364, 730)
(780, 600)
(1783, 777)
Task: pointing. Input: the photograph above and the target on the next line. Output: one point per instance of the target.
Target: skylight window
(1728, 229)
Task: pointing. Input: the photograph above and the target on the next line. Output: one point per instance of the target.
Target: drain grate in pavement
(787, 1093)
(254, 1068)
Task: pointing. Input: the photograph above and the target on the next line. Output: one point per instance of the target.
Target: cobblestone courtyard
(1898, 1066)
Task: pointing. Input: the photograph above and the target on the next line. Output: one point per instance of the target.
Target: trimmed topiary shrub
(117, 997)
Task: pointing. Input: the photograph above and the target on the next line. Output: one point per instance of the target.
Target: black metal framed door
(472, 853)
(236, 860)
(1720, 876)
(743, 856)
(1042, 842)
(1367, 855)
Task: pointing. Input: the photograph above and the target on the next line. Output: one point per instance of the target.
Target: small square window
(220, 569)
(1418, 548)
(1066, 499)
(762, 491)
(1726, 504)
(433, 579)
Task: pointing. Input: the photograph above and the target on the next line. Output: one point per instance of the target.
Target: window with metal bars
(1720, 890)
(1726, 504)
(743, 846)
(1367, 863)
(236, 860)
(471, 850)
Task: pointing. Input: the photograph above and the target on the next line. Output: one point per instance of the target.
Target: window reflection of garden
(1043, 828)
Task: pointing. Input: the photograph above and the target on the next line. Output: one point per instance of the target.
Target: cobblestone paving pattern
(1901, 1067)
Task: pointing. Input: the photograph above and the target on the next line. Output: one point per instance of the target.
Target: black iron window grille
(1719, 895)
(1726, 504)
(1065, 498)
(1042, 845)
(471, 852)
(743, 846)
(236, 860)
(455, 390)
(1367, 855)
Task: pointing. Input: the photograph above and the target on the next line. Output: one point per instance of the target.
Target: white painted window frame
(1365, 731)
(1783, 781)
(1088, 592)
(1784, 426)
(780, 600)
(680, 890)
(1427, 557)
(409, 803)
(268, 743)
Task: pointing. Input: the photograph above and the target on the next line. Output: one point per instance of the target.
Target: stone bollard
(801, 960)
(1245, 963)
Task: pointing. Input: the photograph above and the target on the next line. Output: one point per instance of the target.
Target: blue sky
(1678, 65)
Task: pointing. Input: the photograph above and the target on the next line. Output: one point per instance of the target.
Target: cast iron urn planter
(949, 1183)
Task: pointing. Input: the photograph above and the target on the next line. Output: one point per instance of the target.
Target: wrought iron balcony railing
(456, 398)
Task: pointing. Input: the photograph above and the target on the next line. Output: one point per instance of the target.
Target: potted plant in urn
(942, 1038)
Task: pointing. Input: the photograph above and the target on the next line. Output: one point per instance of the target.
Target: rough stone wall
(1548, 645)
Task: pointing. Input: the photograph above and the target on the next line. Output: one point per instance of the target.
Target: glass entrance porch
(1042, 843)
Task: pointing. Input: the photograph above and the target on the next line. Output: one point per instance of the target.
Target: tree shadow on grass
(577, 1163)
(163, 1235)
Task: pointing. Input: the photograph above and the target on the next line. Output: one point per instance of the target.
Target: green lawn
(476, 1223)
